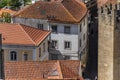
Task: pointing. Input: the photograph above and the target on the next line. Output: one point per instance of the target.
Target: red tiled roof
(40, 70)
(18, 34)
(104, 2)
(66, 11)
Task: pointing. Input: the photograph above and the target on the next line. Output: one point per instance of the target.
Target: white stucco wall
(61, 37)
(32, 22)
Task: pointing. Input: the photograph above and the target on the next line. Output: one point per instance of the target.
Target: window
(54, 28)
(39, 52)
(84, 22)
(54, 44)
(67, 29)
(84, 37)
(44, 47)
(40, 26)
(13, 55)
(80, 43)
(67, 45)
(80, 27)
(25, 57)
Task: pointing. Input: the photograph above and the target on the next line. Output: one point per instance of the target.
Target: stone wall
(106, 43)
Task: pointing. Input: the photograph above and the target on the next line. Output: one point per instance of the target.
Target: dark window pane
(54, 28)
(40, 26)
(67, 29)
(67, 45)
(13, 55)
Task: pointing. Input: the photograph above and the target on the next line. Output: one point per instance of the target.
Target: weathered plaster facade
(32, 51)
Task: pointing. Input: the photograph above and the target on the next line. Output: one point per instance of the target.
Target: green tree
(3, 3)
(6, 17)
(26, 2)
(15, 4)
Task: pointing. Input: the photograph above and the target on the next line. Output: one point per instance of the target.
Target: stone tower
(109, 40)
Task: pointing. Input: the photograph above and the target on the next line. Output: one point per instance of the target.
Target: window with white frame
(40, 26)
(67, 29)
(13, 55)
(67, 45)
(54, 28)
(54, 44)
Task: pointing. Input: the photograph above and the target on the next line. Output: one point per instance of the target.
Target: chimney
(1, 60)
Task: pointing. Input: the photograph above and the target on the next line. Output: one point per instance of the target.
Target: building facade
(69, 30)
(109, 42)
(21, 45)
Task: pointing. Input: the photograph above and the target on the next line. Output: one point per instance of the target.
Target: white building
(67, 20)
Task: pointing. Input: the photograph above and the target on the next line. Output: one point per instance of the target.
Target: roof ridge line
(69, 12)
(23, 9)
(59, 67)
(26, 33)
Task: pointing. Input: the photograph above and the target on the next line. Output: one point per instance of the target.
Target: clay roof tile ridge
(26, 34)
(59, 67)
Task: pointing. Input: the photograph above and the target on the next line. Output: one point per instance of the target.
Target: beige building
(109, 40)
(21, 43)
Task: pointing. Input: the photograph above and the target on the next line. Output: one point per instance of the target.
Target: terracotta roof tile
(33, 70)
(65, 11)
(18, 34)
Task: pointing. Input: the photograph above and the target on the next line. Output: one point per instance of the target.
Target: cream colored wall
(42, 52)
(20, 53)
(33, 53)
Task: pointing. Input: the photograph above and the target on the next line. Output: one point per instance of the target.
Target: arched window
(13, 55)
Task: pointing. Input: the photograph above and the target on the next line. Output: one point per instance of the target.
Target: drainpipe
(1, 60)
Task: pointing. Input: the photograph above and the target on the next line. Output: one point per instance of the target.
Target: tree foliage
(3, 3)
(6, 17)
(26, 2)
(15, 4)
